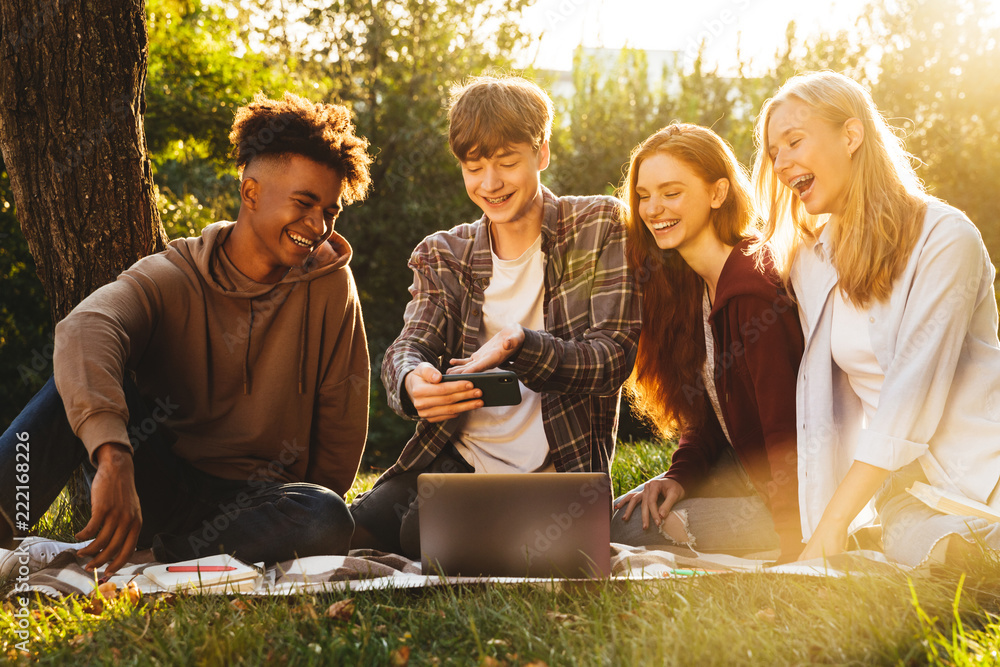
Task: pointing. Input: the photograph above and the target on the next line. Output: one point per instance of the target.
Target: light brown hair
(489, 113)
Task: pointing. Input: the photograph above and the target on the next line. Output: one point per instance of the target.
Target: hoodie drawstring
(302, 342)
(246, 356)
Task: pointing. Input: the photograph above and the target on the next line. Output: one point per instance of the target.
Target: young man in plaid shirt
(539, 285)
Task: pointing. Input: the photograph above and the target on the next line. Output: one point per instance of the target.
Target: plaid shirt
(578, 363)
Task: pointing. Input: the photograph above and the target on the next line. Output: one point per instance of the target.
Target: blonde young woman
(717, 357)
(900, 379)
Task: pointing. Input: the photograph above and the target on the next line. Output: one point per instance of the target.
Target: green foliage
(25, 323)
(939, 80)
(200, 71)
(586, 157)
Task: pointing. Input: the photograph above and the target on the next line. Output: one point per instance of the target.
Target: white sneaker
(40, 551)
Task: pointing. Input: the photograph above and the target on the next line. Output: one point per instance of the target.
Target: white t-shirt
(851, 345)
(509, 438)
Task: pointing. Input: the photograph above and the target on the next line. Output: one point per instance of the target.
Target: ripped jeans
(724, 514)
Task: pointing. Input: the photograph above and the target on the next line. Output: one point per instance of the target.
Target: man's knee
(329, 526)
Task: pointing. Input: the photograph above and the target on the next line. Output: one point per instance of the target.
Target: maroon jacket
(758, 345)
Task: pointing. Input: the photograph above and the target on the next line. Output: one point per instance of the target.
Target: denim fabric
(391, 510)
(723, 514)
(911, 529)
(186, 513)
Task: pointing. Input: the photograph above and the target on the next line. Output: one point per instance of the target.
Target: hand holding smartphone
(498, 387)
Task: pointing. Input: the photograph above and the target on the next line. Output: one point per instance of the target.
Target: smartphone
(498, 387)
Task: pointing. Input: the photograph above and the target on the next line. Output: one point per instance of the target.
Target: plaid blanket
(364, 570)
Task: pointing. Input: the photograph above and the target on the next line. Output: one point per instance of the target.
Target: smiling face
(288, 207)
(506, 185)
(675, 203)
(811, 155)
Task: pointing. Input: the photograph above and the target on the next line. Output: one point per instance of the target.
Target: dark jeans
(186, 513)
(391, 510)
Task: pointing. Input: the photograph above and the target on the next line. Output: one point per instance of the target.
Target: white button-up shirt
(936, 341)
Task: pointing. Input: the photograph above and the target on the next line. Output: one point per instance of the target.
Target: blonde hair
(664, 386)
(489, 113)
(883, 204)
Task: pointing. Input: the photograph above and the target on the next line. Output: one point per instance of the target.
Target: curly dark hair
(294, 125)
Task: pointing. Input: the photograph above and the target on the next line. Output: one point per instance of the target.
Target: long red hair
(666, 384)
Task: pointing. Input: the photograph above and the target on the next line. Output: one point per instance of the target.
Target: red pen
(200, 568)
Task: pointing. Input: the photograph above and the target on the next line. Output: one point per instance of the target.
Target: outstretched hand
(115, 515)
(438, 401)
(498, 349)
(649, 496)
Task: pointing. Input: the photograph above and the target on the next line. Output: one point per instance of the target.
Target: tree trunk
(72, 78)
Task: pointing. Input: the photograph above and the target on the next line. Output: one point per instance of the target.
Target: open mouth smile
(498, 200)
(664, 224)
(300, 241)
(802, 184)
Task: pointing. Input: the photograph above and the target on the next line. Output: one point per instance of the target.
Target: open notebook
(213, 574)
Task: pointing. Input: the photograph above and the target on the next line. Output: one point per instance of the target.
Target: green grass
(946, 619)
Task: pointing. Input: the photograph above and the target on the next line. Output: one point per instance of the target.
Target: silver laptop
(516, 525)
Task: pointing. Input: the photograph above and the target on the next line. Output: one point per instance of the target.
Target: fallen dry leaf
(132, 593)
(342, 611)
(108, 590)
(536, 663)
(240, 605)
(400, 657)
(490, 661)
(560, 617)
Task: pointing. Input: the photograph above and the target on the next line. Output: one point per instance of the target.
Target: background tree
(72, 75)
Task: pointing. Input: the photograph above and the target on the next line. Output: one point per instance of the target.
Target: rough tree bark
(72, 79)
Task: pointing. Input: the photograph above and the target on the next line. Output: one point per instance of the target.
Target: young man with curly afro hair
(217, 391)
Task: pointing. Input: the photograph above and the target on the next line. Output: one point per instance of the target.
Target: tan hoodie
(257, 381)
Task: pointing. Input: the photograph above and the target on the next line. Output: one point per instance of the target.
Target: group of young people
(818, 341)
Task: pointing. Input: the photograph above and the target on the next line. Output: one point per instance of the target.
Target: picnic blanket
(365, 570)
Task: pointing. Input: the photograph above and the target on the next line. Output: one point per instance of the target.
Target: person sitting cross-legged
(539, 285)
(216, 391)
